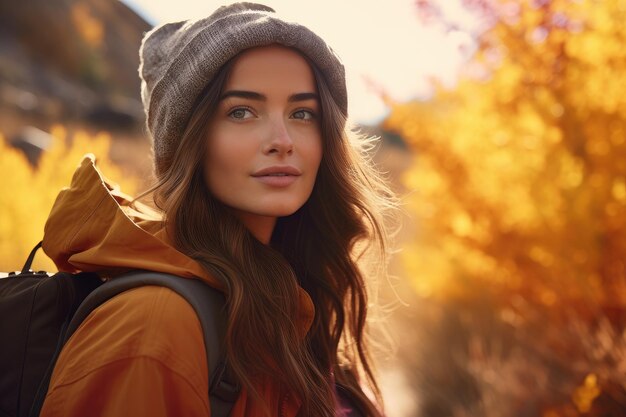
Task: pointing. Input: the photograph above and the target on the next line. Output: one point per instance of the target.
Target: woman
(262, 192)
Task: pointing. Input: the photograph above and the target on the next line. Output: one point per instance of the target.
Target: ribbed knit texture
(179, 59)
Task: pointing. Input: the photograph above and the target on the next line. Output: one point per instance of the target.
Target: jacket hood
(92, 227)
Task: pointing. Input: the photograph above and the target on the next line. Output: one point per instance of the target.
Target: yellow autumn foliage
(90, 28)
(27, 194)
(518, 189)
(585, 394)
(520, 179)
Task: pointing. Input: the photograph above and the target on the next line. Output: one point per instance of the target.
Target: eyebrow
(251, 95)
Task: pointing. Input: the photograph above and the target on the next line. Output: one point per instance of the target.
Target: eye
(241, 113)
(303, 115)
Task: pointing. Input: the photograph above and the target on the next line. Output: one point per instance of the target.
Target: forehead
(270, 68)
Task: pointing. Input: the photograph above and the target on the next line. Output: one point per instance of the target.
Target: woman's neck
(261, 227)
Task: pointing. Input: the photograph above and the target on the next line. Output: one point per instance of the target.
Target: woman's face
(264, 144)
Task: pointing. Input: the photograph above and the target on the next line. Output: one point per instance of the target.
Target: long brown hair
(315, 248)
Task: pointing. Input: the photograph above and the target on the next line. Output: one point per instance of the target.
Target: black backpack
(38, 314)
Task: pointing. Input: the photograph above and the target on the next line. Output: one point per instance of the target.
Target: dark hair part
(315, 248)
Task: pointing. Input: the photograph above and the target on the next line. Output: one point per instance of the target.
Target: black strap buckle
(221, 385)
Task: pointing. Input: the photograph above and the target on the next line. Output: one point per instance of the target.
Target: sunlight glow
(383, 44)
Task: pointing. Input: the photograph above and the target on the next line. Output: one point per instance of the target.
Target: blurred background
(503, 129)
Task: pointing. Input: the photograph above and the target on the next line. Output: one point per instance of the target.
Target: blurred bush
(520, 203)
(27, 193)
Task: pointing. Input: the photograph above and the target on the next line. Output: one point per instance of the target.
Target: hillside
(69, 60)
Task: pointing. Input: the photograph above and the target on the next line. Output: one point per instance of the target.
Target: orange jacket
(142, 352)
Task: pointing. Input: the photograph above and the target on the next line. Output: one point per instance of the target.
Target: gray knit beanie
(179, 59)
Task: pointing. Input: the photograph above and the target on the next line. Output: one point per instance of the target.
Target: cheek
(311, 148)
(220, 161)
(227, 150)
(316, 152)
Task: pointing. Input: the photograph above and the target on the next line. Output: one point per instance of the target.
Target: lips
(277, 176)
(278, 171)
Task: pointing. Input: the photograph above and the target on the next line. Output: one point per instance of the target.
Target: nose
(279, 140)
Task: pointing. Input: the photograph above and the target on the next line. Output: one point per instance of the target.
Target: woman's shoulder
(147, 322)
(140, 353)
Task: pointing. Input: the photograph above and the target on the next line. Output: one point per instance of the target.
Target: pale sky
(380, 41)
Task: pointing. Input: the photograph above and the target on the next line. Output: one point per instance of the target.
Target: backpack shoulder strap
(209, 305)
(207, 302)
